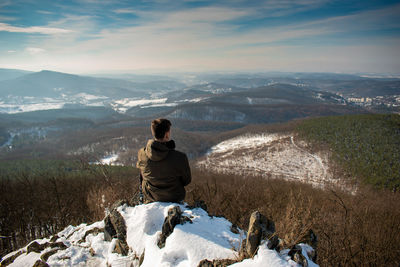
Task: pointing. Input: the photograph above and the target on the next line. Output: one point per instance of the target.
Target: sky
(154, 36)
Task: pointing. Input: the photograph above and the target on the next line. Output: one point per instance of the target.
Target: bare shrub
(352, 230)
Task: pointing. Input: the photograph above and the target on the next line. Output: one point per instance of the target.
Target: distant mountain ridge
(55, 84)
(8, 74)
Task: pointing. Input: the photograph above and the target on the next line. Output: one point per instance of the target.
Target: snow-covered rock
(205, 237)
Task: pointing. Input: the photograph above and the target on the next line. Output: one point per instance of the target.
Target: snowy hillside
(196, 238)
(276, 155)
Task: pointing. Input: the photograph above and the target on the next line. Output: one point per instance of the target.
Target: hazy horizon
(162, 36)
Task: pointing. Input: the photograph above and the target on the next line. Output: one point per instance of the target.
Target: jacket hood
(157, 151)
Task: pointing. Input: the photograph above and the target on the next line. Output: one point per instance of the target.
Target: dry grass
(353, 230)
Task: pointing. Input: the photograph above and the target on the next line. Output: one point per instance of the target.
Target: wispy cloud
(126, 11)
(34, 50)
(32, 29)
(45, 12)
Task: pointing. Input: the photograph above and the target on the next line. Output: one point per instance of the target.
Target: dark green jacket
(165, 172)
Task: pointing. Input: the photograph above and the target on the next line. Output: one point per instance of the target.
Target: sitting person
(164, 170)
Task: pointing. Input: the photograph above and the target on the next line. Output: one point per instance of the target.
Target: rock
(275, 243)
(109, 231)
(118, 203)
(92, 252)
(296, 254)
(200, 204)
(121, 247)
(141, 259)
(115, 226)
(312, 240)
(234, 229)
(45, 256)
(174, 217)
(40, 263)
(205, 263)
(53, 238)
(216, 263)
(94, 231)
(11, 259)
(59, 245)
(34, 247)
(259, 228)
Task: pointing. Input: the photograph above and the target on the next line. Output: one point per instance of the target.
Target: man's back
(165, 172)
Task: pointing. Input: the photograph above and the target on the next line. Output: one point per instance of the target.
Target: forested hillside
(366, 146)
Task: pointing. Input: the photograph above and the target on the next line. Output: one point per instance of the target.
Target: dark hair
(159, 127)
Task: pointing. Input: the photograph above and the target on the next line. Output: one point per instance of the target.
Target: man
(165, 171)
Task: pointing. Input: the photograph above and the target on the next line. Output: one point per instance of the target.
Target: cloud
(45, 12)
(11, 51)
(33, 29)
(211, 37)
(34, 50)
(126, 11)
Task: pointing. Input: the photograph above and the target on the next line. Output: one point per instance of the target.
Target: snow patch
(268, 155)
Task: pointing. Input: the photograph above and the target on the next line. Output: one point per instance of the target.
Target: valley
(310, 150)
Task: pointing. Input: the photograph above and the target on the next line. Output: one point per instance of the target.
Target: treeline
(39, 198)
(366, 146)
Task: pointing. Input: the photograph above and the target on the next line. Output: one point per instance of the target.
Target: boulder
(34, 247)
(173, 218)
(260, 228)
(115, 226)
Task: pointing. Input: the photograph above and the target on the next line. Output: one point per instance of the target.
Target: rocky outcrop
(38, 248)
(174, 217)
(260, 237)
(115, 227)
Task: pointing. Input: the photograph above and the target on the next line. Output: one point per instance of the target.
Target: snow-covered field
(268, 155)
(205, 238)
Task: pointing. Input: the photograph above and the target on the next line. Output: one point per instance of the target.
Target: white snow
(161, 105)
(269, 155)
(17, 108)
(128, 102)
(205, 238)
(110, 159)
(123, 105)
(89, 96)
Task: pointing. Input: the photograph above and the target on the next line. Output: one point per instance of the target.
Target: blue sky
(93, 36)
